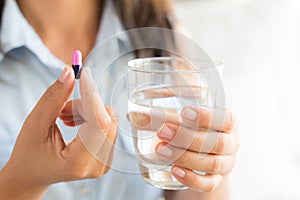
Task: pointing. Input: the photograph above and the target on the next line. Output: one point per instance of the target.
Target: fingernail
(165, 151)
(166, 133)
(179, 172)
(64, 75)
(189, 114)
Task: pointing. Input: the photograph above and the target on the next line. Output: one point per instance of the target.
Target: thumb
(53, 100)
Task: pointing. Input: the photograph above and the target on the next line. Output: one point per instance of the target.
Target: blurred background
(259, 43)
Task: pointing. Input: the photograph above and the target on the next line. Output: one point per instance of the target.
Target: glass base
(162, 178)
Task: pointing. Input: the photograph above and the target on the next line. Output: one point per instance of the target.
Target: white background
(259, 43)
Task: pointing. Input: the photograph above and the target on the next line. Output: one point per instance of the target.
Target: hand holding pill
(41, 157)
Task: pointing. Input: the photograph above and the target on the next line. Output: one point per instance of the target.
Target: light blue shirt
(28, 68)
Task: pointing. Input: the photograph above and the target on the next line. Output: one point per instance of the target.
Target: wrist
(15, 186)
(222, 192)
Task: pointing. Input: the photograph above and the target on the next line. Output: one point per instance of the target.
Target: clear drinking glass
(159, 88)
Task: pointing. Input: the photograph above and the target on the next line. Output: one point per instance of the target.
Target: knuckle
(85, 171)
(114, 120)
(193, 181)
(181, 137)
(79, 172)
(192, 140)
(182, 158)
(111, 112)
(211, 185)
(206, 121)
(96, 173)
(50, 94)
(223, 144)
(196, 145)
(230, 121)
(105, 123)
(215, 164)
(106, 170)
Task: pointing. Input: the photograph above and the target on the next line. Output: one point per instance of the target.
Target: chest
(22, 81)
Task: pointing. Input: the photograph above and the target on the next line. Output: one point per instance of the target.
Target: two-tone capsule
(77, 63)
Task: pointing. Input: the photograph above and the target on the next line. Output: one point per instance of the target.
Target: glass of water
(159, 88)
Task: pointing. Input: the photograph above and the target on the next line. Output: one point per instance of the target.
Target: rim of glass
(134, 63)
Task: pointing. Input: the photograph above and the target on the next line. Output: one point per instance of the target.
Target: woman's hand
(207, 143)
(41, 157)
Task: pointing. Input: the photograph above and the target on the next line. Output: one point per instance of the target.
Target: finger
(76, 120)
(73, 123)
(93, 133)
(215, 164)
(70, 115)
(97, 134)
(80, 163)
(206, 183)
(53, 100)
(153, 120)
(93, 108)
(71, 118)
(216, 119)
(72, 108)
(86, 162)
(198, 141)
(98, 145)
(111, 136)
(113, 124)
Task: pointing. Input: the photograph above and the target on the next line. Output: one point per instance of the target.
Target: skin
(54, 21)
(41, 157)
(185, 139)
(217, 162)
(46, 159)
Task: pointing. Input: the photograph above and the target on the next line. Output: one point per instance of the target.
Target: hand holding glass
(159, 89)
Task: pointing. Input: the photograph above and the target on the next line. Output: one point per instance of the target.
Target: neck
(64, 25)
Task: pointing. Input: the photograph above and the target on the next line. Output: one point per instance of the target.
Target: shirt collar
(17, 32)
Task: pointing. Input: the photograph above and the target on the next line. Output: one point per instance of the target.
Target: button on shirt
(28, 68)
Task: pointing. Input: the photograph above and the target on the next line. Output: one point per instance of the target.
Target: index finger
(98, 133)
(93, 108)
(215, 119)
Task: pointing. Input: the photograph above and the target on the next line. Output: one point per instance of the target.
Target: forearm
(222, 192)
